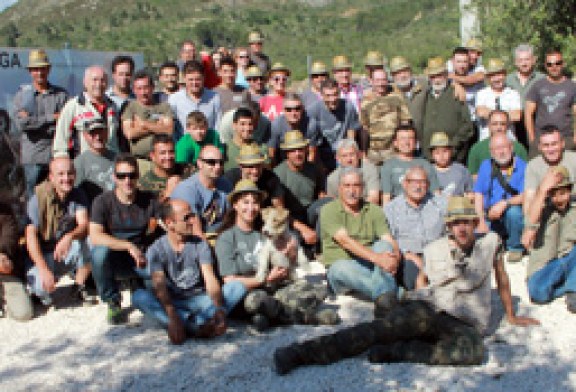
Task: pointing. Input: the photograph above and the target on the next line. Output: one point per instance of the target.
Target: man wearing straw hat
(442, 111)
(551, 269)
(374, 60)
(262, 61)
(342, 71)
(256, 85)
(303, 184)
(318, 73)
(37, 107)
(497, 96)
(440, 324)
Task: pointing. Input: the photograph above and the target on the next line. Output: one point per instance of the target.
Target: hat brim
(235, 194)
(495, 71)
(441, 145)
(295, 145)
(250, 161)
(435, 71)
(400, 68)
(563, 185)
(341, 67)
(38, 65)
(452, 218)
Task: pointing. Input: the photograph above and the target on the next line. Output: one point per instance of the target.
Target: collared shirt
(182, 105)
(490, 187)
(513, 81)
(415, 227)
(354, 95)
(39, 126)
(508, 100)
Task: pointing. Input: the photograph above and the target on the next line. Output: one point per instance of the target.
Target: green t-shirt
(481, 151)
(367, 227)
(237, 252)
(302, 187)
(188, 149)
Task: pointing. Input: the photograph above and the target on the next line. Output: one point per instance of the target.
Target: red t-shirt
(272, 106)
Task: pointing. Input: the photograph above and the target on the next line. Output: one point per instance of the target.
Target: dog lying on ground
(280, 247)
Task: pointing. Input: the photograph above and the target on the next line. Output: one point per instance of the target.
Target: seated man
(415, 218)
(349, 155)
(243, 125)
(122, 223)
(251, 163)
(392, 171)
(197, 135)
(552, 263)
(165, 173)
(453, 177)
(293, 118)
(205, 191)
(444, 325)
(56, 233)
(499, 193)
(186, 297)
(303, 184)
(357, 247)
(12, 291)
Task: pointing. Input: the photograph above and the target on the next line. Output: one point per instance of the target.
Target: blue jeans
(362, 276)
(109, 266)
(555, 279)
(509, 227)
(34, 173)
(195, 310)
(78, 256)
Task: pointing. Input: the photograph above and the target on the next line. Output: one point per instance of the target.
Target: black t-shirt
(268, 182)
(125, 221)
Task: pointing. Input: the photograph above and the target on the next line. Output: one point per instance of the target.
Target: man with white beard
(443, 112)
(499, 194)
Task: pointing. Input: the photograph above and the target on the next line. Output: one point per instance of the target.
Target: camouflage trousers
(411, 332)
(295, 303)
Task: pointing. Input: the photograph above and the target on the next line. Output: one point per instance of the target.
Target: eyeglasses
(279, 79)
(293, 109)
(212, 161)
(256, 78)
(315, 76)
(122, 176)
(557, 63)
(243, 56)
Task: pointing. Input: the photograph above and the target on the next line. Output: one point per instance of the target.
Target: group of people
(409, 190)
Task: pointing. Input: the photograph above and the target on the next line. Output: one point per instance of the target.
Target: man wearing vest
(441, 324)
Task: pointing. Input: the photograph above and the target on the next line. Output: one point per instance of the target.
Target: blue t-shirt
(209, 205)
(182, 270)
(490, 187)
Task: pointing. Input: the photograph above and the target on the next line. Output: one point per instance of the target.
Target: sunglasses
(293, 109)
(257, 78)
(188, 216)
(279, 79)
(557, 64)
(212, 162)
(123, 176)
(243, 56)
(315, 76)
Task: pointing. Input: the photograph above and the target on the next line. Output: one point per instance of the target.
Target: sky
(6, 3)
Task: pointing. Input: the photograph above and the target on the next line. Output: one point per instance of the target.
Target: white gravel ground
(73, 349)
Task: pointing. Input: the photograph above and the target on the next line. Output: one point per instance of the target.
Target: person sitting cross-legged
(187, 298)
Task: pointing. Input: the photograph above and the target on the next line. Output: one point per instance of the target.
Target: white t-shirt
(509, 100)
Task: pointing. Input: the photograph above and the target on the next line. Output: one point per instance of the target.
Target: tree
(543, 23)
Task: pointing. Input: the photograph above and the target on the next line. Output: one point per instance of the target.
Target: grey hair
(346, 143)
(523, 48)
(415, 169)
(350, 170)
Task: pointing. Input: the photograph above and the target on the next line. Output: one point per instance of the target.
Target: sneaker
(571, 302)
(81, 293)
(115, 315)
(514, 256)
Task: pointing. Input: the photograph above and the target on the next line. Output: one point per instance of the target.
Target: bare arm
(503, 283)
(137, 128)
(35, 252)
(529, 111)
(479, 207)
(176, 330)
(98, 237)
(482, 112)
(373, 197)
(80, 232)
(468, 80)
(211, 283)
(388, 260)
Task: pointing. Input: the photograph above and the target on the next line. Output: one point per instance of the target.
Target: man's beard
(439, 86)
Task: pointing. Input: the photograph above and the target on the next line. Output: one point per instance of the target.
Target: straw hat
(253, 72)
(293, 140)
(374, 59)
(318, 68)
(340, 62)
(440, 139)
(245, 186)
(436, 65)
(279, 67)
(255, 37)
(250, 154)
(38, 59)
(460, 207)
(398, 63)
(495, 66)
(566, 181)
